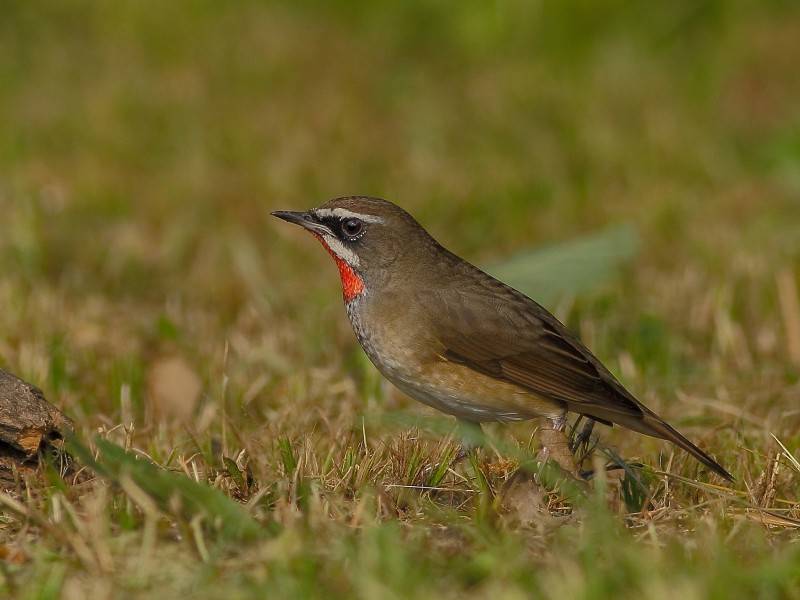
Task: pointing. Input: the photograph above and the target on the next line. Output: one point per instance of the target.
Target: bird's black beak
(305, 219)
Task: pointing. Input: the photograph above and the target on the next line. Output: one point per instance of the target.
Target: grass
(235, 441)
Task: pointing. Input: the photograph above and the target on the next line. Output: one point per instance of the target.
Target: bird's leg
(583, 436)
(555, 444)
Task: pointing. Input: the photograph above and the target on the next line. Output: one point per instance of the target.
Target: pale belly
(449, 387)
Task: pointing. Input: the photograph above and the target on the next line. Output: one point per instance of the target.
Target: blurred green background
(140, 139)
(143, 144)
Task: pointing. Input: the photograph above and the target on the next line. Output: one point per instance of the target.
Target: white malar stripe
(342, 251)
(343, 213)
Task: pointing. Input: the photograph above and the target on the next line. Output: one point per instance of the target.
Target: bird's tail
(652, 425)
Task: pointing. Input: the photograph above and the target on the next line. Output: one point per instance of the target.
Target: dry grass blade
(708, 487)
(766, 517)
(788, 455)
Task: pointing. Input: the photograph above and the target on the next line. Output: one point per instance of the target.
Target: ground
(146, 289)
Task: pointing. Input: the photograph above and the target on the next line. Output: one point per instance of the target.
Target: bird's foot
(556, 447)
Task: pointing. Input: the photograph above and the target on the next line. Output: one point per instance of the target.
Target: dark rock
(27, 419)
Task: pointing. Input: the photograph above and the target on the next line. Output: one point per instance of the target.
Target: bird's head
(366, 237)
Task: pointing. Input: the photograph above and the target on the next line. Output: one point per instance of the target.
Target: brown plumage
(453, 337)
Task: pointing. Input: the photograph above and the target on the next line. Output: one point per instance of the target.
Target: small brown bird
(455, 338)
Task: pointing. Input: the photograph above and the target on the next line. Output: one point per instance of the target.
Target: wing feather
(518, 341)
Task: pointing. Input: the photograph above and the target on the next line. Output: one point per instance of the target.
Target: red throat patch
(352, 285)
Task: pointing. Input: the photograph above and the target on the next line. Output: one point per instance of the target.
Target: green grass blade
(174, 493)
(287, 455)
(570, 268)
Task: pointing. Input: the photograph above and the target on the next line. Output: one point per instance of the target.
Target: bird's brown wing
(504, 334)
(500, 332)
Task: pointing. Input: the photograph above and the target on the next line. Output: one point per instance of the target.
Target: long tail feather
(654, 426)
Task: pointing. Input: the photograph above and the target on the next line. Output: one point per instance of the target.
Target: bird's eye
(352, 227)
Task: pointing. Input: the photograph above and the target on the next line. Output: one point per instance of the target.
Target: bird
(455, 338)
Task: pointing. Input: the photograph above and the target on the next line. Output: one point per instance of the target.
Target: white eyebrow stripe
(342, 251)
(343, 213)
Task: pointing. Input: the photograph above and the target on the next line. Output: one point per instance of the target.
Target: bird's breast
(402, 349)
(388, 335)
